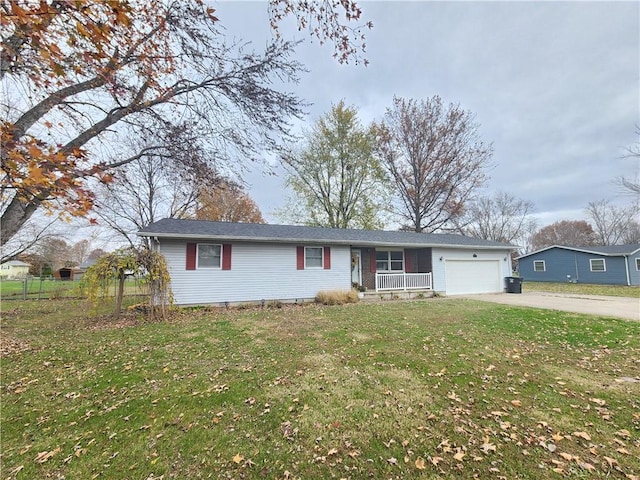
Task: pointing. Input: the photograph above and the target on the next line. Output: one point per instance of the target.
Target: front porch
(392, 269)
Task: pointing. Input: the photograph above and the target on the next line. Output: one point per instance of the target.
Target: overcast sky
(554, 86)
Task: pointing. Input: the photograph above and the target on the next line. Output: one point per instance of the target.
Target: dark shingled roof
(200, 229)
(608, 250)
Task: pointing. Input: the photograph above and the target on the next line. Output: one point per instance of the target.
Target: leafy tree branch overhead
(79, 73)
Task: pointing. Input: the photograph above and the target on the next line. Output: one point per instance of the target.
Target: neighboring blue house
(610, 265)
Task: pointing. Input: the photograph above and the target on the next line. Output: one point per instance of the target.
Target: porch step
(372, 296)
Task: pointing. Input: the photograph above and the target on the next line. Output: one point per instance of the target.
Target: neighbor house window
(313, 257)
(389, 260)
(637, 263)
(597, 265)
(209, 256)
(539, 266)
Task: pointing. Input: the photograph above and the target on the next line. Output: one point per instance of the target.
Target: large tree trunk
(15, 216)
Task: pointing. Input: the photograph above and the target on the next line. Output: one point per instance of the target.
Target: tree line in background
(137, 112)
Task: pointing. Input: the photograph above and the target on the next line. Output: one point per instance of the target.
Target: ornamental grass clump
(337, 297)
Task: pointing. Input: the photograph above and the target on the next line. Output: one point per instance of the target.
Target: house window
(597, 265)
(539, 266)
(209, 256)
(389, 260)
(637, 263)
(313, 257)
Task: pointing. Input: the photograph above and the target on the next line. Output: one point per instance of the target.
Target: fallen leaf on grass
(44, 456)
(567, 456)
(16, 470)
(516, 403)
(459, 456)
(436, 460)
(420, 463)
(583, 435)
(238, 458)
(610, 461)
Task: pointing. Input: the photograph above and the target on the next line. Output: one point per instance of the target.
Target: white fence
(403, 281)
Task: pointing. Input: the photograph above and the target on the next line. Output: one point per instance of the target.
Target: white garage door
(473, 276)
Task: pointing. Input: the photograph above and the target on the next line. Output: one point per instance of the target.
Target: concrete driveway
(619, 307)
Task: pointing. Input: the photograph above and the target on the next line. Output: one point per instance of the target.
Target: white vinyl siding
(539, 266)
(597, 265)
(261, 271)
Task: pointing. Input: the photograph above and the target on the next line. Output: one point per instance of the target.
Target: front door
(356, 267)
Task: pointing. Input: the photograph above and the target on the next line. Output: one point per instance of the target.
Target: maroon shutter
(372, 260)
(300, 258)
(327, 258)
(226, 256)
(191, 256)
(408, 258)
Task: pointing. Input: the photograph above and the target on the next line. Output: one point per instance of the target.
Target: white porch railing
(403, 281)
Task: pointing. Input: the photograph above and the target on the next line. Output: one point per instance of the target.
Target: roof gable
(200, 229)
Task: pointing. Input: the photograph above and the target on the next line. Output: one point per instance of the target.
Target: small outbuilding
(606, 265)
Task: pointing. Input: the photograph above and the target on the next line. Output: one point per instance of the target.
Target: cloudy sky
(554, 86)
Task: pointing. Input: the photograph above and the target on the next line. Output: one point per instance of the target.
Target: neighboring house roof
(200, 229)
(607, 250)
(16, 263)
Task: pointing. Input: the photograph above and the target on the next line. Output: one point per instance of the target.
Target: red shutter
(191, 256)
(408, 258)
(372, 260)
(300, 258)
(327, 258)
(226, 256)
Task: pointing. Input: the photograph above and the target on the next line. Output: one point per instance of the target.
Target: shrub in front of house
(337, 297)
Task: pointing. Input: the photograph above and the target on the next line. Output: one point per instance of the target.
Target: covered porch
(391, 269)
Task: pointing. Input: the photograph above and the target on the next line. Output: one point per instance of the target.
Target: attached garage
(473, 276)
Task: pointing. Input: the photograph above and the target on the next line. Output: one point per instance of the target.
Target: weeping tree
(114, 268)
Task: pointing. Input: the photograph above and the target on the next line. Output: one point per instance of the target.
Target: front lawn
(583, 289)
(439, 388)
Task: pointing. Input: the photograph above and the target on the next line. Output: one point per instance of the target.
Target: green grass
(583, 288)
(440, 388)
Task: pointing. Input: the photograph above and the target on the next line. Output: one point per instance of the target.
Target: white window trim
(604, 264)
(198, 267)
(637, 263)
(389, 250)
(321, 266)
(544, 266)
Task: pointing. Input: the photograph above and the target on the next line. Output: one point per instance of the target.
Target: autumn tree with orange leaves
(228, 202)
(76, 74)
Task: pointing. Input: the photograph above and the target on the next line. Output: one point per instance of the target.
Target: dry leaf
(420, 463)
(459, 456)
(436, 460)
(557, 437)
(584, 435)
(516, 403)
(44, 456)
(392, 461)
(567, 456)
(238, 458)
(586, 466)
